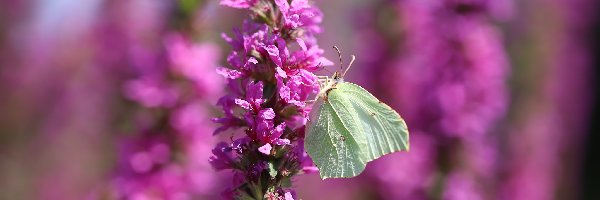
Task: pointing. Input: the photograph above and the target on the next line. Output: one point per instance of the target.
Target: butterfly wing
(350, 129)
(333, 148)
(385, 130)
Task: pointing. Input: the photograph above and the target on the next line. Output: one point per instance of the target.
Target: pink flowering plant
(270, 77)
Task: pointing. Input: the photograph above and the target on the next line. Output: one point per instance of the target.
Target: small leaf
(272, 170)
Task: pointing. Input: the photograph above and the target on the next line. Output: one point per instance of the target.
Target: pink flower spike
(266, 149)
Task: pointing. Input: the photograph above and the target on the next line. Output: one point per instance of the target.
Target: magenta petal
(273, 52)
(299, 104)
(284, 93)
(278, 131)
(263, 128)
(280, 72)
(221, 158)
(267, 113)
(265, 149)
(281, 142)
(229, 73)
(252, 60)
(254, 90)
(302, 44)
(243, 103)
(288, 196)
(283, 5)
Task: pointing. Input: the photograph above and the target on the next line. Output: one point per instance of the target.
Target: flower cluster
(166, 159)
(270, 78)
(450, 87)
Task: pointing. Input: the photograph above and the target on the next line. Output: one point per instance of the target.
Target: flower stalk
(270, 76)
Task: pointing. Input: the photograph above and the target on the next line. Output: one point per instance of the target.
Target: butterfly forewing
(331, 145)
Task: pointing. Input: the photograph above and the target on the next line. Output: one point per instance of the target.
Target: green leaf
(272, 170)
(348, 128)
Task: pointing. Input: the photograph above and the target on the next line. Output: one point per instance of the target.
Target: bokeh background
(111, 99)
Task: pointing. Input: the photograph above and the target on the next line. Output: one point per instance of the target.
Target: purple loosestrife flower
(270, 78)
(166, 157)
(556, 107)
(411, 172)
(462, 186)
(456, 71)
(450, 86)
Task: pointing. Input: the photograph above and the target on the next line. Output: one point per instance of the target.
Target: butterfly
(349, 127)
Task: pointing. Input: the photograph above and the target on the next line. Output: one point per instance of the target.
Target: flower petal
(288, 196)
(254, 90)
(281, 142)
(278, 131)
(243, 103)
(273, 52)
(302, 44)
(284, 93)
(280, 72)
(229, 73)
(267, 113)
(266, 149)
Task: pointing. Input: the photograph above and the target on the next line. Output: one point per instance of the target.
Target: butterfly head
(339, 75)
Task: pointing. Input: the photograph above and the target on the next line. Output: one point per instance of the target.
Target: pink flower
(265, 149)
(222, 157)
(269, 84)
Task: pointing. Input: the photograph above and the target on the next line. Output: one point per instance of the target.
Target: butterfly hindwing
(385, 130)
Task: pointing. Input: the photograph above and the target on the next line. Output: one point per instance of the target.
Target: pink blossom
(265, 149)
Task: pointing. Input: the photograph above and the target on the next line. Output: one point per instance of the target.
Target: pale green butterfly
(349, 127)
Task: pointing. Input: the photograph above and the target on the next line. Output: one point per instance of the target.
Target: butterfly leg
(323, 80)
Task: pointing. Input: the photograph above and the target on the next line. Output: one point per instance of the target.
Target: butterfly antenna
(349, 65)
(339, 55)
